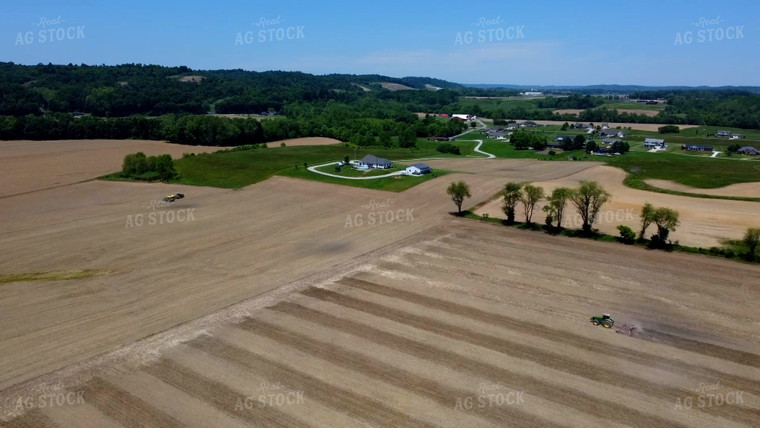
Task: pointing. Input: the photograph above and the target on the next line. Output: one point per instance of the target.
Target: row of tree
(588, 200)
(379, 123)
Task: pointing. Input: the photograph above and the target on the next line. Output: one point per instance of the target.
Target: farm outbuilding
(418, 168)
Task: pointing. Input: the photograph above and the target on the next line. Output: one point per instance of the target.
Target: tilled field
(464, 324)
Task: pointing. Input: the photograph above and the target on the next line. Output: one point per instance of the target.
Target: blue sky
(527, 43)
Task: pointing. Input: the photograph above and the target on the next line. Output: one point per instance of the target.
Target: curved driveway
(477, 150)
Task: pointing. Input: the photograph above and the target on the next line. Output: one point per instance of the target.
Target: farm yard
(288, 303)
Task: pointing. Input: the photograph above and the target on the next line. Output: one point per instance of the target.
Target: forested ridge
(173, 103)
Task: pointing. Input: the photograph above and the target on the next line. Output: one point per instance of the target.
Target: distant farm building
(697, 148)
(372, 161)
(655, 143)
(463, 117)
(418, 168)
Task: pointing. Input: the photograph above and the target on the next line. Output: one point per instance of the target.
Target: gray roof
(654, 140)
(374, 160)
(421, 166)
(747, 149)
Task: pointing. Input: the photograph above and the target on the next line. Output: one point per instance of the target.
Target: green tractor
(605, 320)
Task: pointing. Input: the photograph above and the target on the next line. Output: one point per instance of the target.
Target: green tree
(531, 195)
(588, 200)
(646, 218)
(591, 146)
(557, 202)
(579, 142)
(164, 166)
(666, 220)
(512, 194)
(751, 240)
(458, 191)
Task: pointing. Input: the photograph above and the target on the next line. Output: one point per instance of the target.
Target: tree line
(588, 200)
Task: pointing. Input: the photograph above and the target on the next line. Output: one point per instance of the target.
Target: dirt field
(308, 141)
(751, 190)
(704, 222)
(396, 87)
(461, 325)
(34, 165)
(297, 303)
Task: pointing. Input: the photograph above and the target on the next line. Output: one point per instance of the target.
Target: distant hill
(612, 88)
(130, 89)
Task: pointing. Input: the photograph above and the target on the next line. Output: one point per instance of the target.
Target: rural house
(612, 133)
(418, 169)
(697, 148)
(724, 134)
(748, 150)
(372, 161)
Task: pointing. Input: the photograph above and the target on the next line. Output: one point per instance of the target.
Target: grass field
(389, 184)
(692, 171)
(235, 169)
(633, 106)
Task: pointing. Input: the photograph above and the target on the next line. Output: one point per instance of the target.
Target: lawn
(700, 172)
(239, 168)
(390, 184)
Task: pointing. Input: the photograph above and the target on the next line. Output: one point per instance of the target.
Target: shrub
(448, 148)
(627, 235)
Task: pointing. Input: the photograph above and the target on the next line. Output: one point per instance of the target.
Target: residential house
(612, 133)
(748, 150)
(697, 148)
(724, 134)
(372, 161)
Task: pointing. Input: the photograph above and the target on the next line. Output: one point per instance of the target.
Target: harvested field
(273, 306)
(751, 190)
(704, 222)
(396, 87)
(307, 141)
(29, 166)
(460, 325)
